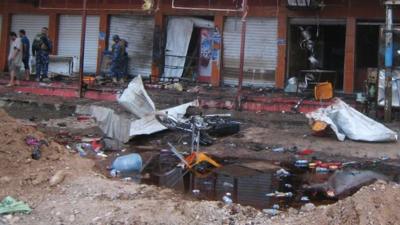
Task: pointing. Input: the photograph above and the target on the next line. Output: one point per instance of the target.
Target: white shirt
(14, 47)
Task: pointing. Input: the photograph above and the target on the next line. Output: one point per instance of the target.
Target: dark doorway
(329, 50)
(192, 56)
(367, 47)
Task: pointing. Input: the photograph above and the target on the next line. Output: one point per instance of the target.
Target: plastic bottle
(127, 164)
(301, 163)
(227, 198)
(321, 170)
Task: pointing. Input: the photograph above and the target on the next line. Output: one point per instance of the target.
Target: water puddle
(255, 183)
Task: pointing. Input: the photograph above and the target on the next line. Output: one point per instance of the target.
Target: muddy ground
(87, 195)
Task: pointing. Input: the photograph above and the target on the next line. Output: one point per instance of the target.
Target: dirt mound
(374, 204)
(20, 175)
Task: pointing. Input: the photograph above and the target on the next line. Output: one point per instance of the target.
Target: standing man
(41, 48)
(14, 59)
(117, 61)
(25, 52)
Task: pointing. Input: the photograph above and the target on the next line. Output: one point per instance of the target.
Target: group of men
(19, 54)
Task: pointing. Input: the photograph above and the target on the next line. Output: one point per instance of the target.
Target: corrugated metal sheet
(32, 24)
(260, 51)
(69, 40)
(138, 31)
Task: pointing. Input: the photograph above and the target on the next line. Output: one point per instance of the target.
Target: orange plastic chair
(199, 157)
(323, 91)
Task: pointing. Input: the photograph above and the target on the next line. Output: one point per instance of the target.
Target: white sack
(345, 121)
(136, 100)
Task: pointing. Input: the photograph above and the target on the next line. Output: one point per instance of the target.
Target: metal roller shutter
(138, 32)
(32, 24)
(260, 52)
(69, 40)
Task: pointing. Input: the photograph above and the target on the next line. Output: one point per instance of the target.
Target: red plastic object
(96, 145)
(81, 118)
(306, 152)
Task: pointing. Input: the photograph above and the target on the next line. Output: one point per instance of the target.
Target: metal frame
(208, 9)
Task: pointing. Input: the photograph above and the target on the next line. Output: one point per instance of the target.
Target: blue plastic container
(126, 164)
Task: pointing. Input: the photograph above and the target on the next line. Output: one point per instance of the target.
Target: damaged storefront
(190, 48)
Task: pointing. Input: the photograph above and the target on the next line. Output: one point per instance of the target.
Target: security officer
(118, 59)
(41, 48)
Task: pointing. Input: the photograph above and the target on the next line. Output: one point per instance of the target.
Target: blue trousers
(42, 64)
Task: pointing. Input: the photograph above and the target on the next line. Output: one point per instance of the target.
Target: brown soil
(86, 197)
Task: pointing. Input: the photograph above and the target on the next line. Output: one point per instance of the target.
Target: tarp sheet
(345, 121)
(179, 33)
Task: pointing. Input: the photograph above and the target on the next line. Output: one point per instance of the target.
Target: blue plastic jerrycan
(131, 163)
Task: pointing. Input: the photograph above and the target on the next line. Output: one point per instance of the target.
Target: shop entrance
(324, 52)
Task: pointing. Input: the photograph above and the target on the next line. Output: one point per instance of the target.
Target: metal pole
(388, 62)
(242, 52)
(82, 52)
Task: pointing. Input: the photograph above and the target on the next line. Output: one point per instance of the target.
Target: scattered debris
(306, 152)
(271, 212)
(308, 207)
(301, 163)
(278, 149)
(227, 198)
(195, 89)
(142, 120)
(278, 194)
(282, 173)
(305, 199)
(32, 141)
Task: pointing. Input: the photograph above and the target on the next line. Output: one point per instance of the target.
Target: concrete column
(349, 58)
(5, 40)
(103, 38)
(53, 31)
(217, 67)
(280, 72)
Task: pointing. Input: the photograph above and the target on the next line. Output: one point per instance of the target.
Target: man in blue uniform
(41, 48)
(118, 59)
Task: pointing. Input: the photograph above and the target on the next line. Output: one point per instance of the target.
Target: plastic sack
(345, 121)
(136, 100)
